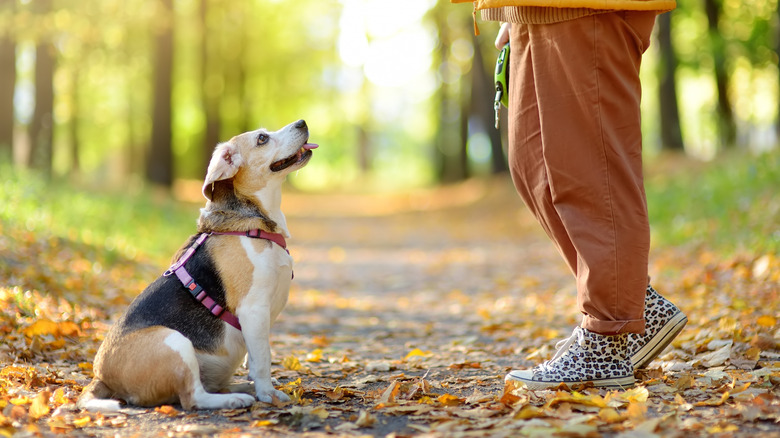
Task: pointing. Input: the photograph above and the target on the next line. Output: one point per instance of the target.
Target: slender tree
(726, 124)
(671, 134)
(42, 124)
(450, 152)
(7, 84)
(212, 82)
(73, 125)
(159, 164)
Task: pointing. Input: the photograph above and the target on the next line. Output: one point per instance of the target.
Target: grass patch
(729, 205)
(128, 225)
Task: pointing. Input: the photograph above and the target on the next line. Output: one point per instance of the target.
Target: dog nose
(300, 124)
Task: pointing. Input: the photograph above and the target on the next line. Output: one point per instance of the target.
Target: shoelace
(562, 346)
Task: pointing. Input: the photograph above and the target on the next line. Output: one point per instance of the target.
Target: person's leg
(586, 74)
(526, 150)
(576, 161)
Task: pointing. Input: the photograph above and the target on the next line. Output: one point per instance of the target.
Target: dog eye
(262, 139)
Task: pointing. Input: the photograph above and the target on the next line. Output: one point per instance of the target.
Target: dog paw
(205, 400)
(268, 396)
(240, 401)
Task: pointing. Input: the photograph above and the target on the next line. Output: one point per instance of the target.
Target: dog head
(255, 158)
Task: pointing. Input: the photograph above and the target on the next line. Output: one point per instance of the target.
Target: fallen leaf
(417, 353)
(390, 393)
(450, 400)
(291, 363)
(767, 321)
(40, 405)
(313, 356)
(167, 410)
(717, 357)
(365, 419)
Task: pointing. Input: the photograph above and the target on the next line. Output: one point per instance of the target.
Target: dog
(182, 339)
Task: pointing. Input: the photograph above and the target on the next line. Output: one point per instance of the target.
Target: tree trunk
(73, 127)
(671, 134)
(450, 134)
(159, 164)
(42, 124)
(726, 124)
(212, 81)
(7, 86)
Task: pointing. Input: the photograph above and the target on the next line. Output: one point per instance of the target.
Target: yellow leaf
(67, 328)
(417, 352)
(264, 423)
(56, 344)
(740, 388)
(294, 383)
(291, 363)
(714, 401)
(82, 422)
(425, 400)
(577, 398)
(529, 411)
(637, 394)
(22, 400)
(60, 397)
(41, 327)
(85, 366)
(722, 429)
(450, 400)
(314, 356)
(766, 321)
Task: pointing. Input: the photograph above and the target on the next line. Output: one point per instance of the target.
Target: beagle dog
(182, 339)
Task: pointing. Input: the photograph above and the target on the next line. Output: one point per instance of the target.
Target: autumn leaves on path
(405, 313)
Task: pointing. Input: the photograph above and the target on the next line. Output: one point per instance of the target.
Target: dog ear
(224, 165)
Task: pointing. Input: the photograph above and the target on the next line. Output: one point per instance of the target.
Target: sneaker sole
(661, 340)
(613, 383)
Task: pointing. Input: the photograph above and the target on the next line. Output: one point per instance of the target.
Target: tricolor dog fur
(168, 347)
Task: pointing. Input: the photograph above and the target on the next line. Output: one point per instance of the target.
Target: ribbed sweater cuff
(537, 14)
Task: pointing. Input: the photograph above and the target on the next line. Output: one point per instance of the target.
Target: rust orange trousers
(575, 155)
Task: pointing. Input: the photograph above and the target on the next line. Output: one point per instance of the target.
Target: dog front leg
(256, 326)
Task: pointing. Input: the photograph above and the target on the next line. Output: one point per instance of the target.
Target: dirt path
(407, 311)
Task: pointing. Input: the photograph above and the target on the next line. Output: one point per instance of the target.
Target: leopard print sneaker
(584, 357)
(663, 322)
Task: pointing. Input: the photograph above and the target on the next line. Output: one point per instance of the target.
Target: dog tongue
(308, 146)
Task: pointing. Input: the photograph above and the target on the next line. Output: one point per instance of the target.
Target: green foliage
(129, 225)
(728, 205)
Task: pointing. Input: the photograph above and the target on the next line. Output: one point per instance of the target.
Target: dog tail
(96, 398)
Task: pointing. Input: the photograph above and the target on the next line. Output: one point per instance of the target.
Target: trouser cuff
(613, 327)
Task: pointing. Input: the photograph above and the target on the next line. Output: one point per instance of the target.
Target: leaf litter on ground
(403, 322)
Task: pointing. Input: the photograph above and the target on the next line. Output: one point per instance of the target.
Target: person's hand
(503, 36)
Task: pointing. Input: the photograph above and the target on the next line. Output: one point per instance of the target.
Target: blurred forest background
(396, 92)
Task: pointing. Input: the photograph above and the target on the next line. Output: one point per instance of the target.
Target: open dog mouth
(299, 156)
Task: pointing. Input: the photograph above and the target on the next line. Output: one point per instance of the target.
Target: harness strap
(196, 290)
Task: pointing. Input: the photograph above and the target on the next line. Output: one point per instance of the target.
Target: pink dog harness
(200, 295)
